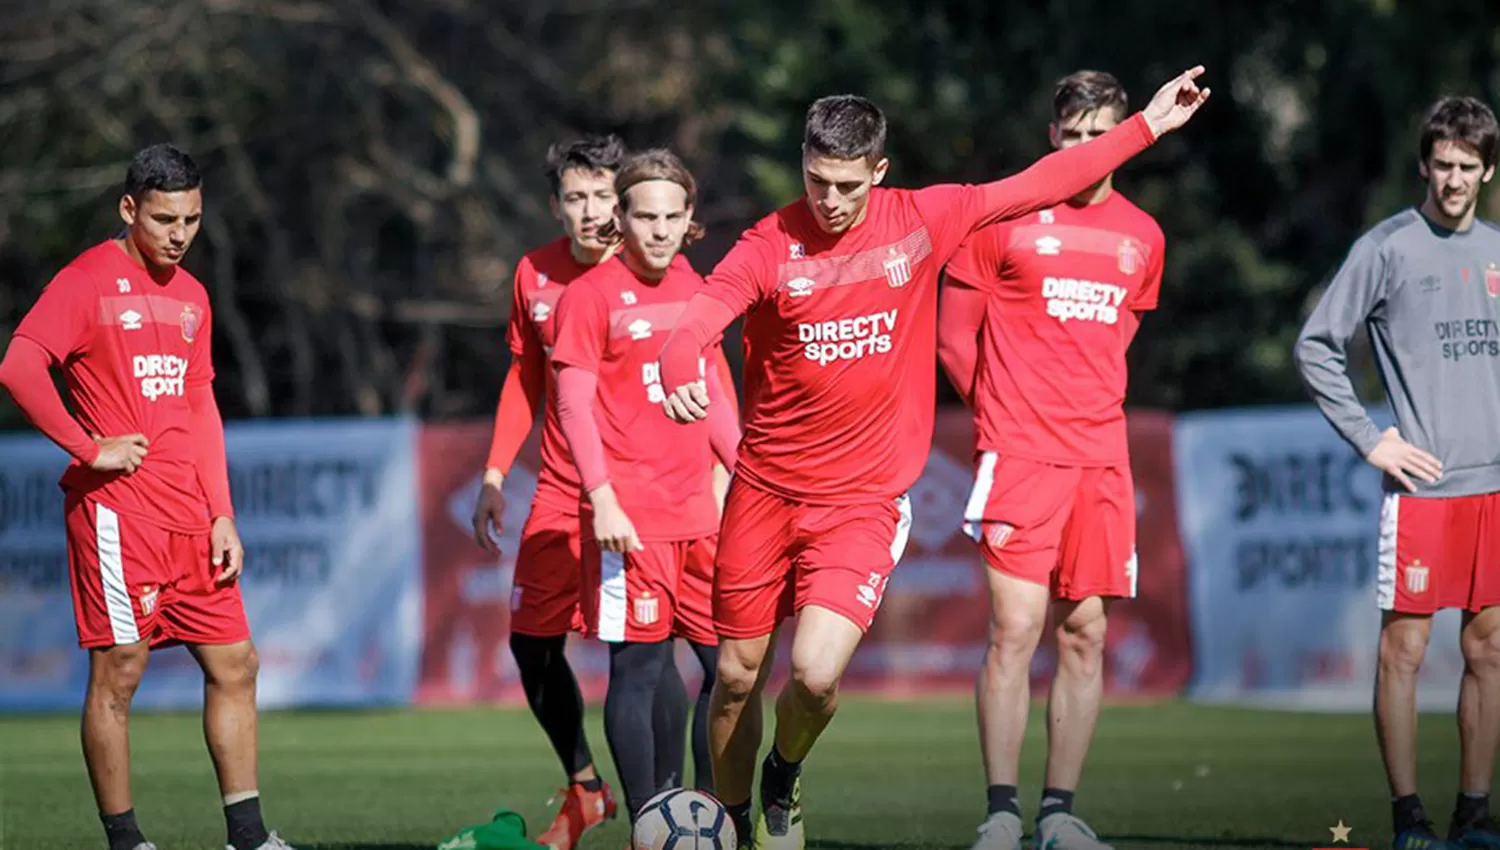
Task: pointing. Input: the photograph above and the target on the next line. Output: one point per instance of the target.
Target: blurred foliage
(374, 166)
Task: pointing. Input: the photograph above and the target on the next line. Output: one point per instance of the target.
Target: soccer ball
(683, 819)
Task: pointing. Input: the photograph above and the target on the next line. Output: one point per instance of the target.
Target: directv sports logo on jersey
(847, 339)
(160, 374)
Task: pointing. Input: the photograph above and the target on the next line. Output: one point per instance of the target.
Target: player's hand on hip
(1403, 461)
(489, 512)
(1176, 102)
(228, 552)
(120, 454)
(687, 403)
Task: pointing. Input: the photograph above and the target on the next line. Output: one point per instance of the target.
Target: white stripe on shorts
(1385, 571)
(612, 601)
(112, 575)
(903, 529)
(979, 496)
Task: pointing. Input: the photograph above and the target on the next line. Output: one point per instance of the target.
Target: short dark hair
(161, 168)
(591, 153)
(1087, 91)
(845, 126)
(1466, 120)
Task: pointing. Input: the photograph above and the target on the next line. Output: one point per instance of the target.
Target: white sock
(240, 797)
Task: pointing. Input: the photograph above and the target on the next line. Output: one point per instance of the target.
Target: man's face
(584, 201)
(838, 190)
(162, 225)
(1081, 127)
(1454, 172)
(654, 222)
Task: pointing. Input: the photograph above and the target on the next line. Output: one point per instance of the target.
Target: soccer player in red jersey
(1035, 317)
(839, 289)
(651, 516)
(153, 554)
(544, 595)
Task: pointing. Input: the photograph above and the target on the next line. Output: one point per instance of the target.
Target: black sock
(1004, 798)
(1055, 800)
(776, 777)
(739, 813)
(634, 675)
(122, 831)
(596, 784)
(669, 720)
(552, 692)
(246, 829)
(1470, 808)
(1407, 812)
(703, 765)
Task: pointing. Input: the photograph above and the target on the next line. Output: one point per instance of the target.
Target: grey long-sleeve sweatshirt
(1431, 301)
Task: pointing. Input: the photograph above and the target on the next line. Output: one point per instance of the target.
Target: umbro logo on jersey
(130, 320)
(540, 311)
(1049, 246)
(639, 329)
(800, 287)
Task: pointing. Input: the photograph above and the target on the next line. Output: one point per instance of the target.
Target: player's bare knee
(1014, 634)
(1082, 643)
(234, 668)
(736, 678)
(1481, 648)
(115, 674)
(816, 684)
(1402, 649)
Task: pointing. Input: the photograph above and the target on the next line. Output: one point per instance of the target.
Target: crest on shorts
(646, 609)
(1416, 577)
(1492, 280)
(897, 268)
(148, 599)
(1129, 256)
(191, 320)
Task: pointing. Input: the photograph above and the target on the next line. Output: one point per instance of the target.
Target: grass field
(907, 775)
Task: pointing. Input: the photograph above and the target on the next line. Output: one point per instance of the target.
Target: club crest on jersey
(897, 269)
(646, 609)
(191, 320)
(1129, 256)
(1492, 280)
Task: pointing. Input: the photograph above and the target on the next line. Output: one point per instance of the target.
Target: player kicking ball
(545, 586)
(153, 555)
(1425, 283)
(1034, 321)
(839, 291)
(651, 516)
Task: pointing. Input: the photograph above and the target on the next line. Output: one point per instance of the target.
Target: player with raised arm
(1424, 283)
(839, 289)
(1034, 320)
(651, 517)
(545, 585)
(153, 554)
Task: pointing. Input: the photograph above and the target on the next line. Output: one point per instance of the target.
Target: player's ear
(127, 209)
(1422, 169)
(1054, 135)
(881, 168)
(556, 207)
(1488, 173)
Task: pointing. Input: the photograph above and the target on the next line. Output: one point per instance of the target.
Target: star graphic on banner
(1340, 832)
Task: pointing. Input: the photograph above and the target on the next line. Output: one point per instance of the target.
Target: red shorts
(662, 591)
(133, 581)
(1439, 553)
(1073, 527)
(777, 556)
(544, 586)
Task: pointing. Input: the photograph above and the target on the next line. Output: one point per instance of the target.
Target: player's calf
(114, 675)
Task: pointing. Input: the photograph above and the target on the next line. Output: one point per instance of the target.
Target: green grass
(1160, 777)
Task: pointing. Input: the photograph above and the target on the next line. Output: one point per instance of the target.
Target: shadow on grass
(375, 845)
(1121, 841)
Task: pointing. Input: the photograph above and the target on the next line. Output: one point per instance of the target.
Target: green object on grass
(506, 831)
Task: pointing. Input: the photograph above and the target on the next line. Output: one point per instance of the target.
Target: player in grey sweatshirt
(1425, 283)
